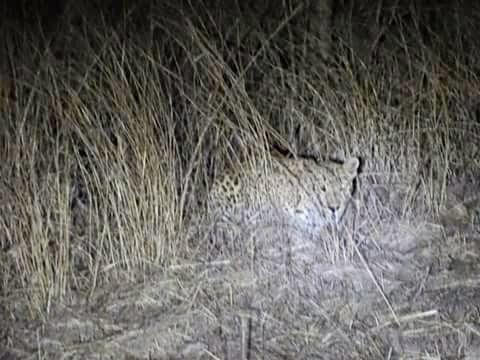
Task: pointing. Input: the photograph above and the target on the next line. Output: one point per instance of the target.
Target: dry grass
(110, 140)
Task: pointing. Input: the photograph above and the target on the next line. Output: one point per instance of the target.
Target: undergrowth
(111, 136)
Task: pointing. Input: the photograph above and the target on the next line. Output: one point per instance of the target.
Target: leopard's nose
(333, 209)
(335, 213)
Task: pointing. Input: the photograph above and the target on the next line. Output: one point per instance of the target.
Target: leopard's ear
(351, 166)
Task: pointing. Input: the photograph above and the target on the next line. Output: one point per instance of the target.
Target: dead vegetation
(112, 134)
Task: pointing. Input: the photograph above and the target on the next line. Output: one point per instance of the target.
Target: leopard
(301, 192)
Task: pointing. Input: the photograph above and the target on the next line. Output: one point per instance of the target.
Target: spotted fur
(299, 192)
